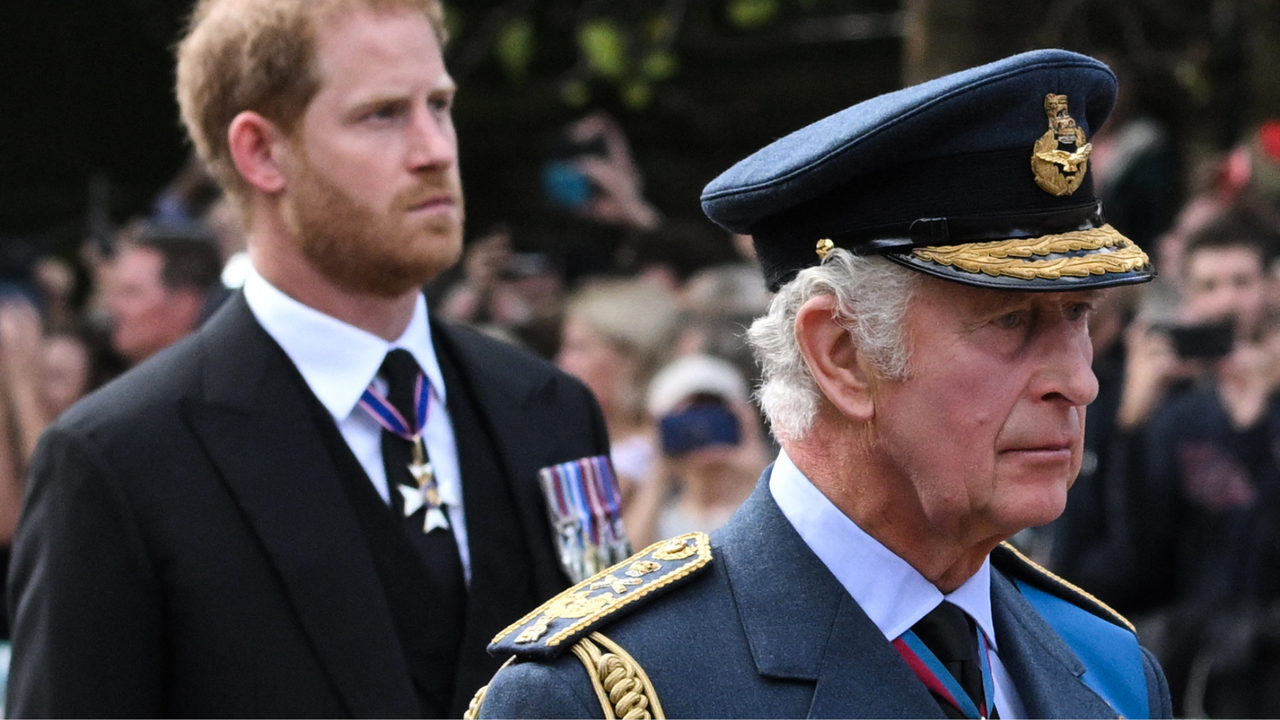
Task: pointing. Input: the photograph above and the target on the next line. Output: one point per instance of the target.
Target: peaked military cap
(980, 177)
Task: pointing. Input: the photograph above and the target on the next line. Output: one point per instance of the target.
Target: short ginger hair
(258, 55)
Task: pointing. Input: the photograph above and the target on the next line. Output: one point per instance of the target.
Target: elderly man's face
(987, 428)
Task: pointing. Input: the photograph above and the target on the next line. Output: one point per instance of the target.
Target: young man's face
(1226, 283)
(373, 195)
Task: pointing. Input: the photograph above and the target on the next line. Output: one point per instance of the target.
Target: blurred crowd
(1174, 519)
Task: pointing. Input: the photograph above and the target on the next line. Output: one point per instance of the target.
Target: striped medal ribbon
(427, 494)
(585, 505)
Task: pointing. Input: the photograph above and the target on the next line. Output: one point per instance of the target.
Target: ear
(256, 144)
(838, 368)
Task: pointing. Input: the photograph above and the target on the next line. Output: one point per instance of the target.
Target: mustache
(432, 188)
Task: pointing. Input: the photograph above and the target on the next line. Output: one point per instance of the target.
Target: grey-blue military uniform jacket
(750, 623)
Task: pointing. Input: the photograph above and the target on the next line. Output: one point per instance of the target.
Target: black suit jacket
(186, 547)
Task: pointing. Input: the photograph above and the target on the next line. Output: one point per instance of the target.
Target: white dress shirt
(891, 592)
(339, 361)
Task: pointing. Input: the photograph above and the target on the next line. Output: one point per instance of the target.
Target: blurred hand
(22, 376)
(619, 185)
(482, 266)
(601, 125)
(486, 259)
(618, 198)
(1246, 379)
(1150, 365)
(20, 344)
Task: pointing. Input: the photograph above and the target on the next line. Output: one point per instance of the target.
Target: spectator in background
(1252, 170)
(712, 450)
(674, 253)
(188, 196)
(1204, 506)
(614, 338)
(160, 288)
(1226, 273)
(595, 194)
(39, 378)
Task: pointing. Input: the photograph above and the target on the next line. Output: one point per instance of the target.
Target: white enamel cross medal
(426, 494)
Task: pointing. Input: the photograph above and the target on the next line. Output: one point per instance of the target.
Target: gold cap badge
(1061, 156)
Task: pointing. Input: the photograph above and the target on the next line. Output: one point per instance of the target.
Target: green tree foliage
(625, 48)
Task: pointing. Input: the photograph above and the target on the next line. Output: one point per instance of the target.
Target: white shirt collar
(337, 360)
(891, 592)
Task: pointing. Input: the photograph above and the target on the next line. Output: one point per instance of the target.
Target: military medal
(586, 518)
(427, 492)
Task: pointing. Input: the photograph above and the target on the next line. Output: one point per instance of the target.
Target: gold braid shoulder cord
(622, 686)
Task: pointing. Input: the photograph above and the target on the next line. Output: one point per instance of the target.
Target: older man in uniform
(935, 253)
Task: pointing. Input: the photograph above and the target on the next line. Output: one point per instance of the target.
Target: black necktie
(438, 548)
(951, 635)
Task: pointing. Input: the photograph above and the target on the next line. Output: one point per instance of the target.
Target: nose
(1065, 365)
(432, 143)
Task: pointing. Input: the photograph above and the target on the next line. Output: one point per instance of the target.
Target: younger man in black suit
(324, 503)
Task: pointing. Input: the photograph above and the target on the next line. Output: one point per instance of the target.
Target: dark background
(86, 86)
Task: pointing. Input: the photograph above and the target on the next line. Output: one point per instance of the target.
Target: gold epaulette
(562, 620)
(1009, 560)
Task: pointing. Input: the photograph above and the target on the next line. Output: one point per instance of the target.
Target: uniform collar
(337, 360)
(891, 592)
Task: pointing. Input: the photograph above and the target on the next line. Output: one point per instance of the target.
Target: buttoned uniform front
(767, 630)
(193, 542)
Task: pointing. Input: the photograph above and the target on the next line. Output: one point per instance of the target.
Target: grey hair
(872, 295)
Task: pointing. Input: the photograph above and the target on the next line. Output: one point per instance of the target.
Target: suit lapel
(501, 584)
(259, 432)
(509, 405)
(885, 685)
(1045, 671)
(801, 624)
